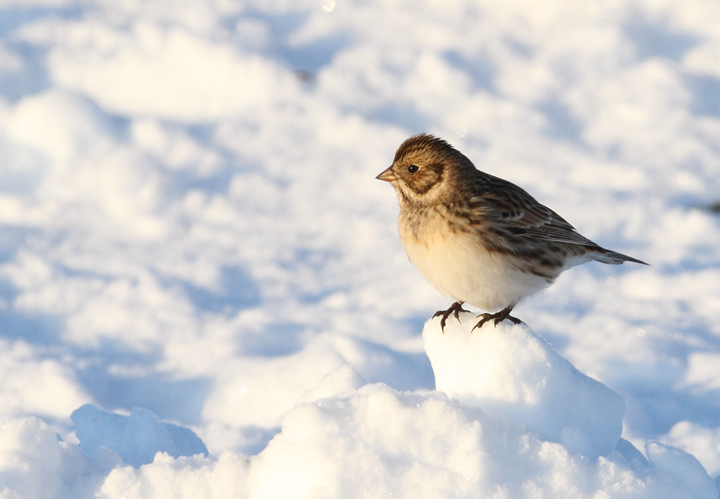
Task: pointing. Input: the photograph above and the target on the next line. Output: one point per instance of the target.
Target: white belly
(458, 266)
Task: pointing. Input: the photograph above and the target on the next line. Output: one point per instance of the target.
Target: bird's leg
(497, 317)
(454, 309)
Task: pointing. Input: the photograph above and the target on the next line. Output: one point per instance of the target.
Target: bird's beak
(388, 175)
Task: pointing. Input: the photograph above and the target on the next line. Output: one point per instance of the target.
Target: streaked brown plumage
(476, 237)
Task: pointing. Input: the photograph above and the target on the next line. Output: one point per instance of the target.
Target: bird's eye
(413, 168)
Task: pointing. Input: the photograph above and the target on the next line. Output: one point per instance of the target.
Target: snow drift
(511, 418)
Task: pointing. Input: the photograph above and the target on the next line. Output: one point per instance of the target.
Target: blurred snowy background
(190, 223)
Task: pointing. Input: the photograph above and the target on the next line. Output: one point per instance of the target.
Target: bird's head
(424, 170)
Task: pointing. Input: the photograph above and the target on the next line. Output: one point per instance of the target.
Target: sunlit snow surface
(190, 226)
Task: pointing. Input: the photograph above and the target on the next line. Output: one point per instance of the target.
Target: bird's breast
(458, 264)
(445, 255)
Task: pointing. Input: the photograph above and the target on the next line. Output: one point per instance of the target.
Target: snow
(135, 438)
(202, 289)
(350, 437)
(538, 388)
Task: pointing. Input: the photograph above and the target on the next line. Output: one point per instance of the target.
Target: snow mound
(678, 469)
(135, 438)
(185, 477)
(378, 442)
(31, 459)
(512, 373)
(345, 439)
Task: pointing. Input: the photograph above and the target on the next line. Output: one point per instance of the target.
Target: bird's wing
(509, 208)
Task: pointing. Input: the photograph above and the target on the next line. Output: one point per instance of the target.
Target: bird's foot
(454, 309)
(497, 317)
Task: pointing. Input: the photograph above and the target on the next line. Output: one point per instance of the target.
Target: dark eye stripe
(422, 182)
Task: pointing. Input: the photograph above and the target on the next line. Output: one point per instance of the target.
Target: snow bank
(186, 477)
(44, 387)
(701, 442)
(516, 420)
(36, 464)
(135, 438)
(136, 71)
(514, 374)
(377, 442)
(30, 460)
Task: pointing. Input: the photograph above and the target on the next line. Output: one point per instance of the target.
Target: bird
(477, 238)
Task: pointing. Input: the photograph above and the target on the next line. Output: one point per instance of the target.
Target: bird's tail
(615, 258)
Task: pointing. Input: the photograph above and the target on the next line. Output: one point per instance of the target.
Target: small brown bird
(478, 238)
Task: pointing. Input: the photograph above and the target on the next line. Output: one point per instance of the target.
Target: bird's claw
(497, 318)
(454, 309)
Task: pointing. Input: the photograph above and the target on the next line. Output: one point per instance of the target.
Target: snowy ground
(190, 227)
